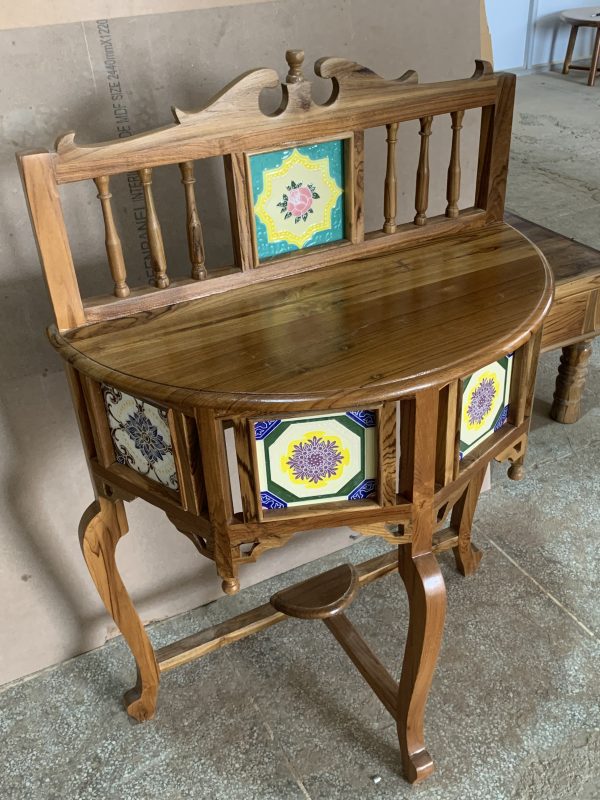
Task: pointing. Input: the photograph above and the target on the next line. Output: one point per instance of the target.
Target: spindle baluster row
(114, 250)
(422, 182)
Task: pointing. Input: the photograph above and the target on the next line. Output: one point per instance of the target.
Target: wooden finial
(295, 59)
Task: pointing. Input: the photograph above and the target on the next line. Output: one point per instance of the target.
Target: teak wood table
(366, 379)
(574, 319)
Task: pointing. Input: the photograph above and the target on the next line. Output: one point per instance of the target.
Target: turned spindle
(389, 198)
(114, 251)
(157, 248)
(193, 226)
(422, 191)
(453, 189)
(572, 375)
(295, 59)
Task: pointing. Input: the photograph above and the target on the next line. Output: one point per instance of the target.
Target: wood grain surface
(366, 330)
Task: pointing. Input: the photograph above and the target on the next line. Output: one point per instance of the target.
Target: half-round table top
(357, 332)
(588, 15)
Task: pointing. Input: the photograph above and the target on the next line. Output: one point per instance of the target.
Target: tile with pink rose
(298, 197)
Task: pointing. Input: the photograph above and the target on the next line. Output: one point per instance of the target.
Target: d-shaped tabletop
(364, 330)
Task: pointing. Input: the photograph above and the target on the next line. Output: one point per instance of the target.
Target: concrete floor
(513, 711)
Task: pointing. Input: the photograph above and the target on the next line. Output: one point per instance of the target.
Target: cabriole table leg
(101, 527)
(427, 605)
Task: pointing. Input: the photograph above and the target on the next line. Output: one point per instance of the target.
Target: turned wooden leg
(467, 556)
(427, 604)
(101, 527)
(595, 57)
(570, 48)
(572, 374)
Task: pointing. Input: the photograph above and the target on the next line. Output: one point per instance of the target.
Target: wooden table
(586, 17)
(366, 378)
(574, 319)
(409, 326)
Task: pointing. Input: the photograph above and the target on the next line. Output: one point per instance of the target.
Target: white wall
(507, 20)
(529, 33)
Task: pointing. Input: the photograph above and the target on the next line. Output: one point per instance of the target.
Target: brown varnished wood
(45, 211)
(422, 188)
(574, 318)
(193, 226)
(572, 374)
(354, 187)
(496, 127)
(238, 199)
(218, 491)
(257, 619)
(187, 461)
(146, 298)
(388, 456)
(426, 594)
(447, 435)
(356, 89)
(232, 121)
(400, 315)
(100, 429)
(247, 469)
(427, 605)
(114, 251)
(102, 525)
(365, 660)
(319, 597)
(390, 189)
(453, 184)
(328, 338)
(155, 240)
(466, 554)
(575, 266)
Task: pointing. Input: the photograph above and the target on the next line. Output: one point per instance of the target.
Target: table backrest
(294, 180)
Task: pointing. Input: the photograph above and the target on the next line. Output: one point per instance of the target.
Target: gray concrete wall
(55, 79)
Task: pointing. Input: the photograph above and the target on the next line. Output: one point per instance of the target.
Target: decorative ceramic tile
(317, 459)
(485, 403)
(298, 197)
(141, 436)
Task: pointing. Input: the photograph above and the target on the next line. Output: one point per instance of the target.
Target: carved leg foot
(572, 374)
(101, 527)
(427, 603)
(466, 555)
(516, 471)
(230, 585)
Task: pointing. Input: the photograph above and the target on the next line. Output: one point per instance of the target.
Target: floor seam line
(554, 599)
